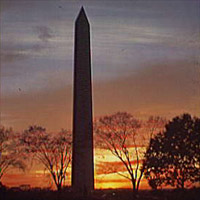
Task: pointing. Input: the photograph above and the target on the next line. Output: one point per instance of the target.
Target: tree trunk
(182, 184)
(138, 182)
(59, 186)
(134, 194)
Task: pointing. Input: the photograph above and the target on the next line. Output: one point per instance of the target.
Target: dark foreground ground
(45, 194)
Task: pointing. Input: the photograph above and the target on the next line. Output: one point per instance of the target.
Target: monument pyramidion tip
(82, 16)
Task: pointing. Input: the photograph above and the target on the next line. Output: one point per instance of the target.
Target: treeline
(166, 153)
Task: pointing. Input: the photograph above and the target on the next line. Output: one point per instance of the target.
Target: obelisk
(82, 155)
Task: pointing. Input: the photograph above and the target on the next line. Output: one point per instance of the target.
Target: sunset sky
(145, 59)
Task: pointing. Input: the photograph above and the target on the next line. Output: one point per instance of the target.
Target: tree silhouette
(117, 133)
(126, 138)
(173, 155)
(53, 151)
(9, 153)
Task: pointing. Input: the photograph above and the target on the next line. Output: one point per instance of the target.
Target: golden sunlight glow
(104, 178)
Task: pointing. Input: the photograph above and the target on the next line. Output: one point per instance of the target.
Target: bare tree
(117, 133)
(126, 138)
(9, 153)
(52, 150)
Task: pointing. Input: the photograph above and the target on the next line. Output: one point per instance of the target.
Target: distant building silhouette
(82, 155)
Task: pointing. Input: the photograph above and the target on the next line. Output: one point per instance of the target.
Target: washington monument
(82, 155)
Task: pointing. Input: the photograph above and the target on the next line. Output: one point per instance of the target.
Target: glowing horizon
(41, 178)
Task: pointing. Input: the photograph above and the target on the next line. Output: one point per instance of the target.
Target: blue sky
(151, 47)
